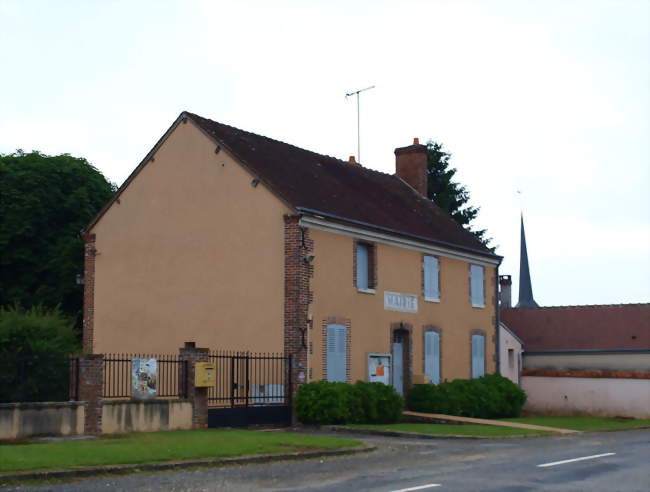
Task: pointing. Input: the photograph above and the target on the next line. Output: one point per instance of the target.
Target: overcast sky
(548, 97)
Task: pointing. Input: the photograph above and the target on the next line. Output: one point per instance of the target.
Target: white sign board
(379, 368)
(396, 301)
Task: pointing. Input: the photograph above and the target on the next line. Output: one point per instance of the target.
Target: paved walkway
(500, 423)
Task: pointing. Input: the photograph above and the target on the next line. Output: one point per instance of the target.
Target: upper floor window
(431, 270)
(477, 290)
(365, 266)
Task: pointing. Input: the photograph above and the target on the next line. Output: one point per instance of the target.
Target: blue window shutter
(432, 356)
(431, 287)
(336, 353)
(478, 356)
(481, 355)
(362, 266)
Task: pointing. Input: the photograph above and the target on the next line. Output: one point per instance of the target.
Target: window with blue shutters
(477, 292)
(432, 356)
(431, 269)
(364, 259)
(337, 348)
(478, 356)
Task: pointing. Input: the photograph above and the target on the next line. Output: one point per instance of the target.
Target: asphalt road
(509, 465)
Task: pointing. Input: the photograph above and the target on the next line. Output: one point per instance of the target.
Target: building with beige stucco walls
(237, 241)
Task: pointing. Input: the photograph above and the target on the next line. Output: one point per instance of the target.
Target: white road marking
(419, 487)
(575, 459)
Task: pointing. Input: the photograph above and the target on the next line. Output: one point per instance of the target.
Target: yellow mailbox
(205, 374)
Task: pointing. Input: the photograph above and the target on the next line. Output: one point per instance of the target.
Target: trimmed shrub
(491, 396)
(327, 403)
(380, 403)
(425, 398)
(324, 402)
(512, 397)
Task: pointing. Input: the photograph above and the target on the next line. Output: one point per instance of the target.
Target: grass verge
(452, 429)
(583, 423)
(159, 446)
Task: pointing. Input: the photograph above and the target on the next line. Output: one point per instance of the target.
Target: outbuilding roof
(597, 327)
(320, 184)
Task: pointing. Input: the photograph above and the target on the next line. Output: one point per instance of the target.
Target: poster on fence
(144, 377)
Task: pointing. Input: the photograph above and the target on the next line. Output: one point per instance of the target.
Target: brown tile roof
(604, 327)
(318, 183)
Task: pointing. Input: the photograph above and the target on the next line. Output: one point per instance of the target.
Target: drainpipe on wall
(497, 343)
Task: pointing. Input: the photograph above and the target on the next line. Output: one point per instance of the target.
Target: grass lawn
(159, 446)
(583, 423)
(452, 429)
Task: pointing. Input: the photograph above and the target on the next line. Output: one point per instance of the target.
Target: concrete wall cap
(143, 402)
(44, 404)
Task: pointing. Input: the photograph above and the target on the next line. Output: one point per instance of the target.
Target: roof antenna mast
(356, 93)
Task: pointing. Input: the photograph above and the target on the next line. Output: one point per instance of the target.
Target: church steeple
(525, 285)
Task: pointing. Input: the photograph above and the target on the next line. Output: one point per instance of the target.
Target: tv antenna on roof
(356, 93)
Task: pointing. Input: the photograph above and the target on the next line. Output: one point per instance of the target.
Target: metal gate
(251, 389)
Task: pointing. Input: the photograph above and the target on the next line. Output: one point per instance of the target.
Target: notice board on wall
(379, 368)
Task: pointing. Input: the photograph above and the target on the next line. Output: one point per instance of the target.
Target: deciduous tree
(44, 203)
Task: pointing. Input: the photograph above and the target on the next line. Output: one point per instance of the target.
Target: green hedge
(491, 396)
(380, 403)
(34, 348)
(323, 402)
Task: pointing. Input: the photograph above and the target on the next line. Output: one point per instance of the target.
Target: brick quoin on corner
(297, 296)
(89, 293)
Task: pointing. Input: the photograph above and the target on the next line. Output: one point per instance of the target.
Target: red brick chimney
(411, 165)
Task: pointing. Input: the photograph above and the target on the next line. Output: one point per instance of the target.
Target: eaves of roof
(512, 333)
(347, 220)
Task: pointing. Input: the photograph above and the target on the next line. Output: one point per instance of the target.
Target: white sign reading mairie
(396, 301)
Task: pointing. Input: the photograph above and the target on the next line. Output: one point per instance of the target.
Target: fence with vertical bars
(171, 375)
(34, 378)
(250, 379)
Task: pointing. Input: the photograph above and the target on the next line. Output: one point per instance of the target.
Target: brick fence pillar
(198, 396)
(91, 384)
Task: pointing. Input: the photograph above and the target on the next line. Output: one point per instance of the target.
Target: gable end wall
(191, 251)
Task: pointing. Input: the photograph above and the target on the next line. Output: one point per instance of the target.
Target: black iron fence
(250, 379)
(171, 375)
(34, 378)
(243, 379)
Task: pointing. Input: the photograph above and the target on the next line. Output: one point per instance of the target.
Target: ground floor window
(478, 356)
(432, 356)
(337, 340)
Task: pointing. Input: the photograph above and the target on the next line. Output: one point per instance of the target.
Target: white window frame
(434, 263)
(474, 283)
